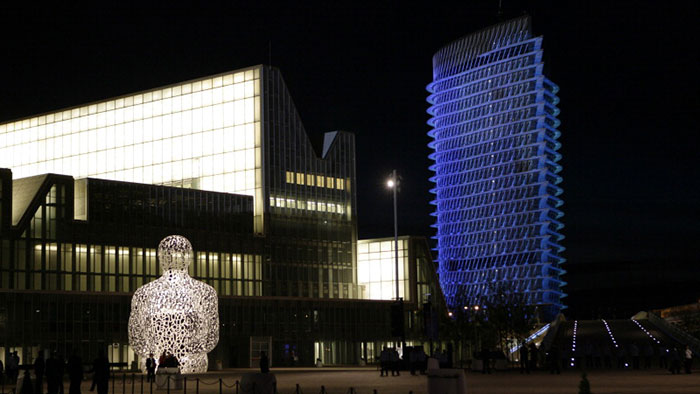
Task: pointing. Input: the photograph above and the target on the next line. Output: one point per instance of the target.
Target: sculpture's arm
(212, 317)
(138, 323)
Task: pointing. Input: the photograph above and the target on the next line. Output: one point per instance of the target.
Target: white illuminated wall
(203, 134)
(376, 268)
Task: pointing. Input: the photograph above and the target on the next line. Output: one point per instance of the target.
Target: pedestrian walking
(384, 362)
(150, 368)
(39, 366)
(688, 361)
(675, 361)
(532, 353)
(54, 374)
(100, 377)
(27, 384)
(12, 368)
(264, 363)
(486, 360)
(524, 359)
(413, 360)
(395, 362)
(75, 372)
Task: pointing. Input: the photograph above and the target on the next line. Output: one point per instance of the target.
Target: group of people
(54, 369)
(622, 355)
(11, 370)
(414, 358)
(389, 361)
(488, 359)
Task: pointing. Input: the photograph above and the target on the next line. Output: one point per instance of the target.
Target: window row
(125, 261)
(308, 205)
(299, 178)
(483, 155)
(464, 137)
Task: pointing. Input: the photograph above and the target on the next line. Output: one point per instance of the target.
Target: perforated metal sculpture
(175, 313)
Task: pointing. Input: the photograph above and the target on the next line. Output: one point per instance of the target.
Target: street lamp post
(393, 184)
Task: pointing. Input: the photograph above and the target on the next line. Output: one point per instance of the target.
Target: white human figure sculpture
(175, 313)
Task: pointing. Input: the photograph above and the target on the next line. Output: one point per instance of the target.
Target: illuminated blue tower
(494, 120)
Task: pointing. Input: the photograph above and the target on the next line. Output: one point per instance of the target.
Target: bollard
(123, 383)
(133, 377)
(151, 387)
(197, 388)
(141, 384)
(113, 383)
(236, 387)
(298, 391)
(375, 391)
(220, 389)
(184, 385)
(323, 389)
(168, 375)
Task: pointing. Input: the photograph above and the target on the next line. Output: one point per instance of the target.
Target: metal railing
(672, 331)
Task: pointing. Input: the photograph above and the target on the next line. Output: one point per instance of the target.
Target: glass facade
(376, 268)
(494, 131)
(203, 134)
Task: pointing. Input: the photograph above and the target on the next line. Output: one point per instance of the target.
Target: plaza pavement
(366, 380)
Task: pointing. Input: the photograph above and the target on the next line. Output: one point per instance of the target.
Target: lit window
(300, 178)
(280, 202)
(272, 201)
(291, 203)
(331, 207)
(311, 205)
(310, 180)
(290, 177)
(339, 183)
(329, 182)
(321, 207)
(320, 181)
(340, 208)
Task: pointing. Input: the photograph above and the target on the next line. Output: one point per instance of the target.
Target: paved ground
(366, 380)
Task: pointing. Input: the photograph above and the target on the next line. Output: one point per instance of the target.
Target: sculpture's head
(175, 253)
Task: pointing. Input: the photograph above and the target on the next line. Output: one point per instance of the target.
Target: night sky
(628, 73)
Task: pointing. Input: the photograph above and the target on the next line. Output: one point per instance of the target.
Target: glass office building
(223, 160)
(494, 129)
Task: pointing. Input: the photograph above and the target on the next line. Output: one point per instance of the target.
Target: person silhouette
(175, 313)
(100, 377)
(150, 368)
(264, 363)
(75, 372)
